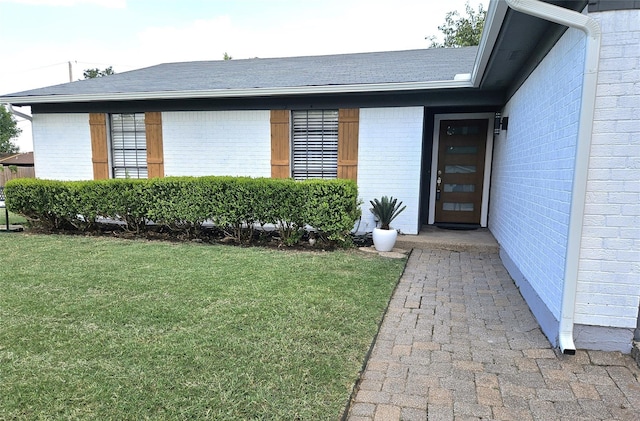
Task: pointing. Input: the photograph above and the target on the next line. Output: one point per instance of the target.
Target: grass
(14, 219)
(97, 328)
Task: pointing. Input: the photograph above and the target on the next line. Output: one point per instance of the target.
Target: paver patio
(458, 342)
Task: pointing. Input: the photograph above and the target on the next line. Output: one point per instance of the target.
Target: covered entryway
(461, 163)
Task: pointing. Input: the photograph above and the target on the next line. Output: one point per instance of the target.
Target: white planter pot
(384, 240)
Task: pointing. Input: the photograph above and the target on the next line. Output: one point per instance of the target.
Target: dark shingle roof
(428, 65)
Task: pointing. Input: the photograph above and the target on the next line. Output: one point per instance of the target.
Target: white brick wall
(235, 143)
(532, 169)
(389, 156)
(62, 146)
(609, 272)
(238, 143)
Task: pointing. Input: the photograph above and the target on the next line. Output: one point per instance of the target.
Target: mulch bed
(205, 235)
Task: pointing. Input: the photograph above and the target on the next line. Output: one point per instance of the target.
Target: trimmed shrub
(237, 205)
(288, 215)
(179, 203)
(332, 208)
(36, 200)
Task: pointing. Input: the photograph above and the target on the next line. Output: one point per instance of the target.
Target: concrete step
(431, 237)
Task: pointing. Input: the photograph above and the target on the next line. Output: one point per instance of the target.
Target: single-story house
(17, 159)
(534, 134)
(16, 165)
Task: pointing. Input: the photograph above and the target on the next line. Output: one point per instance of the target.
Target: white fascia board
(239, 93)
(496, 12)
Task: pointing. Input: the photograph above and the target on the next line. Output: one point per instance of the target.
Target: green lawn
(13, 219)
(98, 328)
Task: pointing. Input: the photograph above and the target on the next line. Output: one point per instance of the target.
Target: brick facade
(389, 157)
(532, 180)
(62, 146)
(533, 170)
(235, 143)
(608, 287)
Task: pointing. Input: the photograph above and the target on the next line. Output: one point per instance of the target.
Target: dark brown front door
(460, 171)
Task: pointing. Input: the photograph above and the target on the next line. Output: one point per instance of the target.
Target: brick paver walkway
(459, 342)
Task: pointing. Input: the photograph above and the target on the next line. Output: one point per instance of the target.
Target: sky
(41, 37)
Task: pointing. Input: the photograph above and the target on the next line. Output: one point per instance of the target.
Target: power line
(37, 68)
(62, 63)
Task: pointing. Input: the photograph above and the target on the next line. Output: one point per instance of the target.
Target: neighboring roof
(19, 159)
(343, 70)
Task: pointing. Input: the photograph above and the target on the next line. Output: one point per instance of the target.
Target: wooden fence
(7, 174)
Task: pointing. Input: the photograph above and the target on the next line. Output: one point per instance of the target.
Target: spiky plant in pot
(386, 210)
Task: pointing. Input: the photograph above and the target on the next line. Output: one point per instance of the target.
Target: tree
(461, 31)
(226, 56)
(8, 130)
(94, 73)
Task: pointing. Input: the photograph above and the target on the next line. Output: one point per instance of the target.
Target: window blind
(128, 146)
(314, 144)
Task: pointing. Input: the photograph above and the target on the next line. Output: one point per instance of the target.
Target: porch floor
(432, 237)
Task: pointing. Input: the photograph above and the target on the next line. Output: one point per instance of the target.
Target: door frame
(437, 118)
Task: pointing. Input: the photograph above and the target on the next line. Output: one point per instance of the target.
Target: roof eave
(496, 12)
(239, 93)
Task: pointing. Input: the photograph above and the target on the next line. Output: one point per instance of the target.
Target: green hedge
(235, 204)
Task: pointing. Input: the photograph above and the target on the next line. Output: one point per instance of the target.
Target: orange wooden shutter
(99, 149)
(280, 144)
(348, 123)
(155, 154)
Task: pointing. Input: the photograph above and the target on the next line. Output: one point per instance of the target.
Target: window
(128, 146)
(314, 144)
